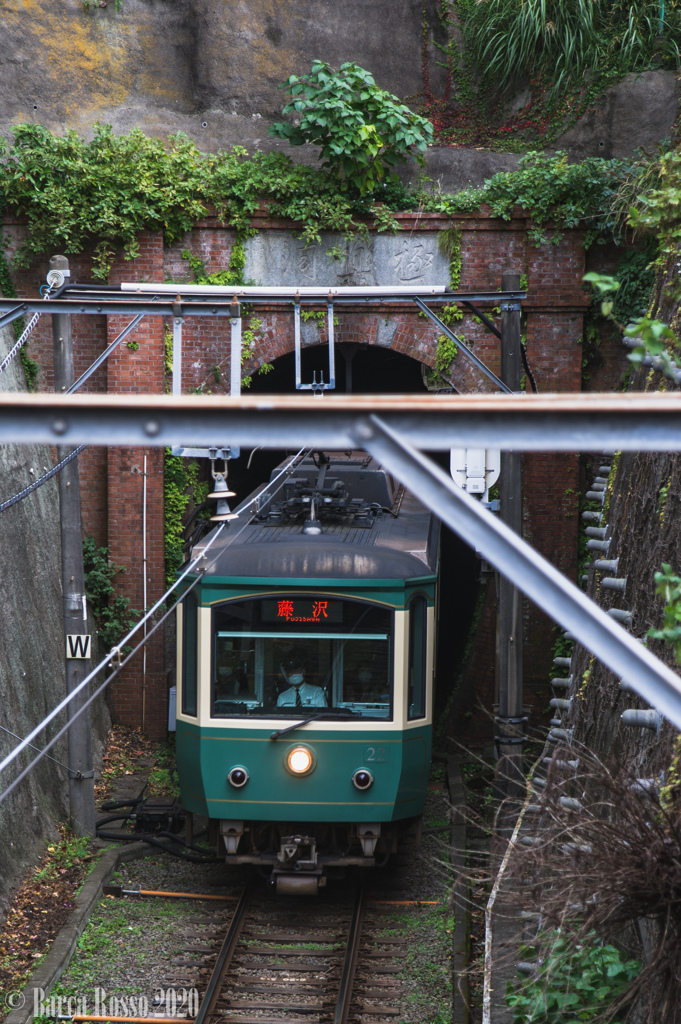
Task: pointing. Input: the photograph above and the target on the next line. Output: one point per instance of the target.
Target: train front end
(305, 707)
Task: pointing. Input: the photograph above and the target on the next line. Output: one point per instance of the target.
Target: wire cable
(74, 387)
(21, 341)
(48, 756)
(41, 480)
(79, 711)
(107, 661)
(528, 371)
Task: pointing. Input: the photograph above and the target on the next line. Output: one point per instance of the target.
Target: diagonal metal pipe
(533, 574)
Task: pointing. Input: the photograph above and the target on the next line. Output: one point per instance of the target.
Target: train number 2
(375, 754)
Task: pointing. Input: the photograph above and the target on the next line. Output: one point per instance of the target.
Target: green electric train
(305, 672)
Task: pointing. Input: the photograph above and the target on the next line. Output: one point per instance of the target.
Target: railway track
(297, 961)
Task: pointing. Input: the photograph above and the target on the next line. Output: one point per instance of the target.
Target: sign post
(510, 722)
(78, 644)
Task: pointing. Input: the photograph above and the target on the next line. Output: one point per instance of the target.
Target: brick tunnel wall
(112, 479)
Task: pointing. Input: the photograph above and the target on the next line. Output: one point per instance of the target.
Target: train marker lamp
(362, 779)
(238, 777)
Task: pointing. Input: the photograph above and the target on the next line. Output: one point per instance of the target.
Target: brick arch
(404, 332)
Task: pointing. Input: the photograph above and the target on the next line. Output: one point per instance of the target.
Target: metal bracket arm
(533, 574)
(485, 319)
(462, 348)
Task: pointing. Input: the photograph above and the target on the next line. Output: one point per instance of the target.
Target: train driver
(299, 694)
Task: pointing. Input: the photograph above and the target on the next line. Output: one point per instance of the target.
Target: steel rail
(207, 1007)
(561, 422)
(347, 977)
(518, 561)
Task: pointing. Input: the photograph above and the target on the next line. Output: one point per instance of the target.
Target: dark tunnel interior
(372, 370)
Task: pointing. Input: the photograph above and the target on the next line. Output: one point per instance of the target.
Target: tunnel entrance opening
(368, 369)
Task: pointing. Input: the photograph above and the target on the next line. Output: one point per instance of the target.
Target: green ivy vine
(112, 187)
(7, 288)
(182, 493)
(112, 612)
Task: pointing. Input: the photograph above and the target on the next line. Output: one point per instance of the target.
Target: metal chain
(42, 480)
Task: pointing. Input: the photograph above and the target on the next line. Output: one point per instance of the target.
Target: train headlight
(300, 760)
(238, 777)
(362, 779)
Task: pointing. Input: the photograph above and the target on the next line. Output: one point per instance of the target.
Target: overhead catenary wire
(115, 652)
(107, 661)
(20, 495)
(33, 747)
(25, 334)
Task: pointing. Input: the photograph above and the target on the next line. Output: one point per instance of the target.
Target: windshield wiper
(313, 718)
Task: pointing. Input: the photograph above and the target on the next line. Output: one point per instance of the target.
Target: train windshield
(299, 656)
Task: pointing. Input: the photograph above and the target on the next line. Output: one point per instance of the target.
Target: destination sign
(310, 610)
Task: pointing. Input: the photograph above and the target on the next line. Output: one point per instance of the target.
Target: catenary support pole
(510, 721)
(81, 772)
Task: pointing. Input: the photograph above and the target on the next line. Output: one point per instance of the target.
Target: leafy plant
(363, 131)
(549, 189)
(575, 982)
(669, 588)
(656, 339)
(234, 274)
(114, 617)
(112, 187)
(656, 210)
(513, 40)
(184, 494)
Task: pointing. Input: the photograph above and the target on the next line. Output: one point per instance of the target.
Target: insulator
(223, 513)
(221, 490)
(598, 545)
(614, 583)
(620, 615)
(643, 719)
(606, 564)
(570, 804)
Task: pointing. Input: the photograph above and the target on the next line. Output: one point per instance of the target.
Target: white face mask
(296, 679)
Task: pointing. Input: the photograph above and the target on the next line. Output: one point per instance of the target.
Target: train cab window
(416, 686)
(189, 653)
(288, 656)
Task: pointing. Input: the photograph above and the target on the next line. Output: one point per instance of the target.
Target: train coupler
(297, 872)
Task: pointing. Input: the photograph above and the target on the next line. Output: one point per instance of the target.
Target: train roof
(397, 541)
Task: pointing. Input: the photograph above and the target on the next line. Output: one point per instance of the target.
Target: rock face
(212, 70)
(637, 112)
(206, 67)
(31, 653)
